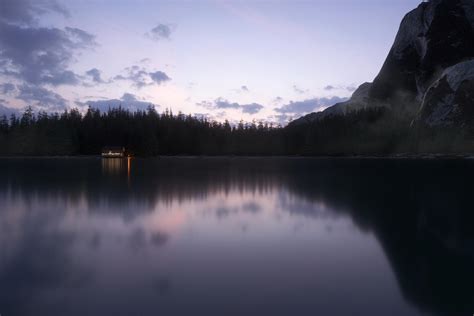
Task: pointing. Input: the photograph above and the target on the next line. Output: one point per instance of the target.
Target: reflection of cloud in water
(40, 260)
(137, 239)
(309, 208)
(161, 285)
(223, 211)
(252, 207)
(159, 239)
(95, 240)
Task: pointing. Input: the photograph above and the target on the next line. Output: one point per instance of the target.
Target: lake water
(236, 236)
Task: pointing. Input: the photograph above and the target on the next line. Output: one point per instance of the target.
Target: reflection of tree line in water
(145, 182)
(420, 211)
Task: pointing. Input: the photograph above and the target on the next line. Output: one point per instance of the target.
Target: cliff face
(429, 70)
(449, 101)
(434, 36)
(428, 73)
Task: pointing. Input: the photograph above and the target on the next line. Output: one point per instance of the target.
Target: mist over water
(224, 236)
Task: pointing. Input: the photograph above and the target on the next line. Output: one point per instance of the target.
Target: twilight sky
(264, 60)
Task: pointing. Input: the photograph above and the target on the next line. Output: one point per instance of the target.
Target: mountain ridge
(434, 41)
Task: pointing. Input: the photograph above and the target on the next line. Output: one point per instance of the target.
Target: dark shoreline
(396, 156)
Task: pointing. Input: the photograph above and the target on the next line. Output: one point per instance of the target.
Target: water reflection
(116, 166)
(236, 236)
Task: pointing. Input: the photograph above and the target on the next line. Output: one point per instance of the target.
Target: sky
(271, 60)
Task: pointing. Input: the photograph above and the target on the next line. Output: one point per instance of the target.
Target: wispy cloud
(221, 103)
(95, 75)
(309, 105)
(299, 90)
(141, 77)
(350, 88)
(161, 32)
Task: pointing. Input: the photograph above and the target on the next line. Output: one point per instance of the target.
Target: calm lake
(236, 236)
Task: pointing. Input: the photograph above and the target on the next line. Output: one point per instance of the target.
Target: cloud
(41, 97)
(129, 97)
(8, 111)
(242, 89)
(38, 55)
(140, 77)
(145, 60)
(25, 12)
(309, 105)
(7, 88)
(65, 77)
(202, 116)
(281, 119)
(128, 101)
(221, 103)
(159, 77)
(277, 101)
(348, 88)
(299, 90)
(95, 75)
(252, 108)
(160, 32)
(81, 38)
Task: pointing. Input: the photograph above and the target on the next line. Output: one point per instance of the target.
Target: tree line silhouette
(372, 131)
(145, 133)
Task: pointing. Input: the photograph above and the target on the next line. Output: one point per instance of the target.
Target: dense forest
(376, 131)
(143, 133)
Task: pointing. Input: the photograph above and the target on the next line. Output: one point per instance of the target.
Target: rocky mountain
(429, 71)
(449, 101)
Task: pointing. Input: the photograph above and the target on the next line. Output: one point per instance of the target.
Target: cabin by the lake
(113, 152)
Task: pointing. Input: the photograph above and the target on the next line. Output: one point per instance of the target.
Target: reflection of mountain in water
(420, 211)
